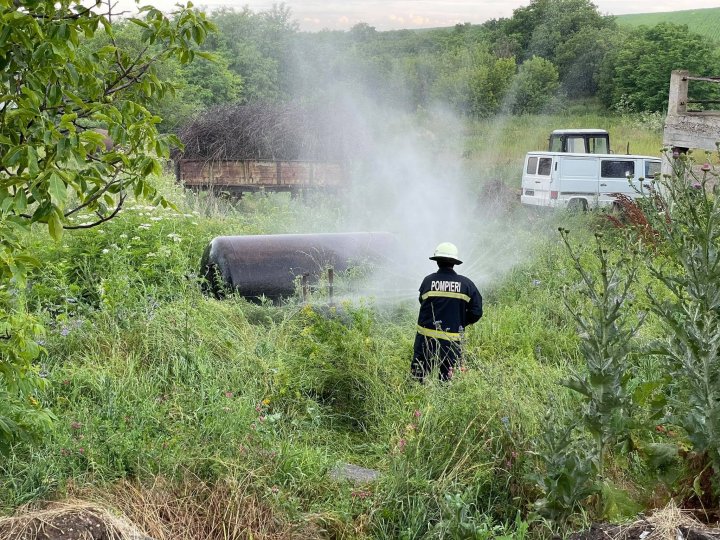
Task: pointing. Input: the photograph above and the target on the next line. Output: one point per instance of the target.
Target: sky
(313, 15)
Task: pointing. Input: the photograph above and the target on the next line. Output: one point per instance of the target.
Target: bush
(534, 87)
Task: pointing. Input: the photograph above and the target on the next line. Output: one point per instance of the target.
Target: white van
(582, 181)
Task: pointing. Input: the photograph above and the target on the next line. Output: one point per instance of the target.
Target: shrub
(534, 86)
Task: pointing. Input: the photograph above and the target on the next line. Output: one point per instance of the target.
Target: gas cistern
(271, 266)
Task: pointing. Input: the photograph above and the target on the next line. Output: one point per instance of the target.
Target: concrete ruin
(687, 129)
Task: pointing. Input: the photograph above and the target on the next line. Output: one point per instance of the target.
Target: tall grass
(155, 384)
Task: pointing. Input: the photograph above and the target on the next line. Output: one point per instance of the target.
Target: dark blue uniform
(449, 303)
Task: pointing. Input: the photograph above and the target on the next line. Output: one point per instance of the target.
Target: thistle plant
(570, 469)
(606, 330)
(573, 464)
(686, 213)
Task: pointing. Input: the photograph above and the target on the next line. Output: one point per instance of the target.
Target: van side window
(532, 165)
(616, 169)
(545, 166)
(652, 169)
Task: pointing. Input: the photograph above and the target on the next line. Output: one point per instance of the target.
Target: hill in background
(702, 21)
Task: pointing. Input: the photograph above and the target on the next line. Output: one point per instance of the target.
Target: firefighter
(449, 303)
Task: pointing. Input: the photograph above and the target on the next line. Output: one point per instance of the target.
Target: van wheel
(577, 205)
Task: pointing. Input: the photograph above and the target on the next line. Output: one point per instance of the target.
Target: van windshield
(581, 143)
(598, 145)
(576, 144)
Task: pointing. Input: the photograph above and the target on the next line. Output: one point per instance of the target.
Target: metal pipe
(269, 265)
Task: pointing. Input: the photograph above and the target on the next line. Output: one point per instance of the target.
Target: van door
(579, 178)
(543, 178)
(528, 177)
(615, 176)
(536, 180)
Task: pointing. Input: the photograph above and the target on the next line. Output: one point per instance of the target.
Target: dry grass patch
(668, 523)
(129, 510)
(195, 510)
(67, 520)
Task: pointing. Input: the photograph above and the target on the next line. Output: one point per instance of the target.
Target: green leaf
(139, 22)
(644, 391)
(577, 385)
(20, 200)
(697, 486)
(28, 260)
(42, 212)
(57, 190)
(617, 503)
(13, 157)
(32, 158)
(55, 226)
(168, 204)
(660, 455)
(138, 188)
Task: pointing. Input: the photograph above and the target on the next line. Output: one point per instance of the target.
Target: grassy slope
(702, 21)
(150, 379)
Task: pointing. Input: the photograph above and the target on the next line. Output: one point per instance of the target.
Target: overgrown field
(200, 418)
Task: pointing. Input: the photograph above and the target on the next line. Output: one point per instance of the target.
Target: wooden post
(331, 277)
(305, 287)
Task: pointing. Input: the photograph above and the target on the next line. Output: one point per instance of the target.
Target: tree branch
(95, 197)
(102, 219)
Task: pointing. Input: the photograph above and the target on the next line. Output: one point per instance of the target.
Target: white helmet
(446, 250)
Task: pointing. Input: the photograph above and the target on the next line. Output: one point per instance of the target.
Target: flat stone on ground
(354, 473)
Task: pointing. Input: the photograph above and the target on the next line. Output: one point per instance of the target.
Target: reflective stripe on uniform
(438, 334)
(444, 294)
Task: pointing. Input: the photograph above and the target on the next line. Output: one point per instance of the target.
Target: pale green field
(701, 21)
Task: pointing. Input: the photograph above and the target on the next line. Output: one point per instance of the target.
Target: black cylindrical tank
(271, 265)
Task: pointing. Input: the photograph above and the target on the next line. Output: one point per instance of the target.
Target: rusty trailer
(238, 176)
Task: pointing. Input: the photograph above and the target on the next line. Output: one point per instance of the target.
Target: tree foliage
(637, 71)
(548, 28)
(57, 90)
(258, 49)
(534, 87)
(580, 59)
(263, 57)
